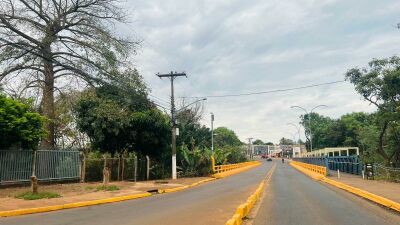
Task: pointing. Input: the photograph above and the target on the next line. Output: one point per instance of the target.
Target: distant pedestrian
(283, 160)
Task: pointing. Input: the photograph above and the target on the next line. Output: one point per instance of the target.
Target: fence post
(119, 166)
(34, 181)
(327, 165)
(106, 172)
(147, 167)
(135, 167)
(123, 167)
(83, 168)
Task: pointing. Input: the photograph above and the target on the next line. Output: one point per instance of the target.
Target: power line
(161, 104)
(267, 92)
(160, 99)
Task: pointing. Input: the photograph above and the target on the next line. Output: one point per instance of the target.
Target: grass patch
(30, 196)
(89, 188)
(107, 188)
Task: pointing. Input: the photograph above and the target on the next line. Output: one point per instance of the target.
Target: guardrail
(314, 168)
(346, 164)
(228, 167)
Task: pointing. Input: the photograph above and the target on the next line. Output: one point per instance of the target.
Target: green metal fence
(16, 165)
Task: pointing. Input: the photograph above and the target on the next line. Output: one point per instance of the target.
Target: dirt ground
(77, 192)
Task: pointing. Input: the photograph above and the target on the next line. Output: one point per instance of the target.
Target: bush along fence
(381, 172)
(18, 166)
(120, 167)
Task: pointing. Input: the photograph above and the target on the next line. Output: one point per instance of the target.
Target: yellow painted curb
(362, 193)
(244, 209)
(114, 199)
(71, 205)
(235, 171)
(169, 190)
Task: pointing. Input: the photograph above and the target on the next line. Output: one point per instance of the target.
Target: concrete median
(244, 209)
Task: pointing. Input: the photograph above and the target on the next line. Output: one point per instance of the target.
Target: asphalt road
(292, 198)
(210, 203)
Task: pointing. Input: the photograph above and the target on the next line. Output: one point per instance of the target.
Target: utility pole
(212, 133)
(172, 77)
(249, 152)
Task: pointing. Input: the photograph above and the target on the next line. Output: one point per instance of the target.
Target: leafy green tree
(269, 143)
(225, 137)
(258, 142)
(285, 141)
(67, 134)
(319, 126)
(117, 118)
(353, 124)
(20, 126)
(379, 84)
(192, 133)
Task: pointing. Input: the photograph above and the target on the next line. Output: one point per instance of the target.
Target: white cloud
(237, 46)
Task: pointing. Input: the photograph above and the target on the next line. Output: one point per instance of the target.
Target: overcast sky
(231, 46)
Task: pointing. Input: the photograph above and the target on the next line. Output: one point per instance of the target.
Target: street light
(293, 136)
(212, 133)
(297, 128)
(309, 119)
(184, 107)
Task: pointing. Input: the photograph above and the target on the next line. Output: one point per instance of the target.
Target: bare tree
(191, 114)
(47, 42)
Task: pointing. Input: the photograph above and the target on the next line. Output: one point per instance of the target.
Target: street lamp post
(309, 119)
(212, 133)
(298, 130)
(293, 136)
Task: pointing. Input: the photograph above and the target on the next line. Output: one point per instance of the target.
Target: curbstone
(70, 205)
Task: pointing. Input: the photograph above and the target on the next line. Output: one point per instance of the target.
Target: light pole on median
(293, 136)
(298, 130)
(309, 119)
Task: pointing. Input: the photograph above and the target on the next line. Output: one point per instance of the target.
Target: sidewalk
(77, 192)
(388, 190)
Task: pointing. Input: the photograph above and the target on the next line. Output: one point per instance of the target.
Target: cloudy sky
(232, 46)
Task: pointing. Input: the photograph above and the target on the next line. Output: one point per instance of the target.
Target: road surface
(291, 198)
(210, 203)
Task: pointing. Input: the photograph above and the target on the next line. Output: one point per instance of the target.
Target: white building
(331, 152)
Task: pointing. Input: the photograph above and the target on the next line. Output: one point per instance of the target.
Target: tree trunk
(48, 105)
(380, 149)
